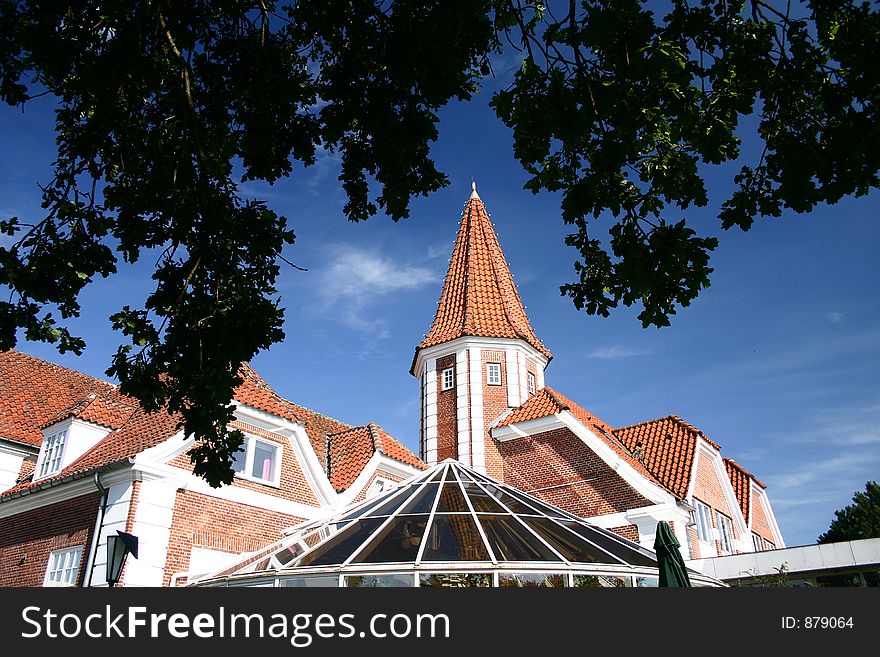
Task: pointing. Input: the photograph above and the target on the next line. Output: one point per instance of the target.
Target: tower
(481, 356)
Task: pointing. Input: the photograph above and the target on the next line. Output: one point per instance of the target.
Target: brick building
(79, 461)
(484, 401)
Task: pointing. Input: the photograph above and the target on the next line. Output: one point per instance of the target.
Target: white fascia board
(527, 428)
(635, 479)
(61, 492)
(768, 512)
(704, 448)
(263, 420)
(470, 342)
(167, 450)
(15, 448)
(311, 467)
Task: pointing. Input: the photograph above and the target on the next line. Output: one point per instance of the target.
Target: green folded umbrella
(669, 560)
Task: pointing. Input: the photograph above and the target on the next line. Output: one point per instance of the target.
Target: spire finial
(474, 189)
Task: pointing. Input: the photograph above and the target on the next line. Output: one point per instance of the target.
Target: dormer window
(530, 378)
(260, 461)
(51, 455)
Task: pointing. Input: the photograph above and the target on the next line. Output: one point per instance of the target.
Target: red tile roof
(479, 296)
(351, 450)
(34, 392)
(547, 402)
(667, 448)
(109, 413)
(741, 480)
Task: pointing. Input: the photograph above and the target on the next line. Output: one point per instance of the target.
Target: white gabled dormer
(76, 430)
(63, 443)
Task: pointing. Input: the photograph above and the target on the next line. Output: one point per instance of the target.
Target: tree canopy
(861, 519)
(621, 105)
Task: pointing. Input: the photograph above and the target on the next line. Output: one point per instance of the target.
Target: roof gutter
(99, 522)
(54, 483)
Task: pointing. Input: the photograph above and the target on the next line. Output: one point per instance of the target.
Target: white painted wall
(152, 526)
(10, 466)
(115, 517)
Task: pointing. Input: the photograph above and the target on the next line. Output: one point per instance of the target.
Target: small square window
(448, 378)
(530, 378)
(493, 374)
(259, 460)
(63, 567)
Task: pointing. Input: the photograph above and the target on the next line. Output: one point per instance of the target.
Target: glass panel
(601, 581)
(238, 458)
(399, 580)
(629, 553)
(264, 461)
(464, 476)
(286, 555)
(454, 537)
(456, 580)
(399, 541)
(532, 580)
(310, 581)
(481, 500)
(643, 582)
(339, 548)
(513, 542)
(423, 502)
(546, 509)
(572, 547)
(451, 499)
(510, 502)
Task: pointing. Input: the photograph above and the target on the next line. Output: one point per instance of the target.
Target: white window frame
(530, 382)
(250, 443)
(447, 378)
(62, 568)
(493, 374)
(725, 533)
(51, 454)
(703, 518)
(757, 542)
(379, 486)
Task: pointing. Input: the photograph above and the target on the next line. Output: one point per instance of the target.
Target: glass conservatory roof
(449, 515)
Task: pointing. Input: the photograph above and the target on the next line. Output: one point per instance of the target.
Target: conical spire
(479, 297)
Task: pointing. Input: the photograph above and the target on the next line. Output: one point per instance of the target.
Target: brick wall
(708, 490)
(293, 485)
(760, 523)
(447, 418)
(494, 404)
(627, 531)
(214, 524)
(27, 539)
(582, 482)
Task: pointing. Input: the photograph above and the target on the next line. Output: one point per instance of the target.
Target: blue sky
(777, 361)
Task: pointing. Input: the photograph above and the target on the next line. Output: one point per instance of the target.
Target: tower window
(448, 378)
(530, 378)
(493, 374)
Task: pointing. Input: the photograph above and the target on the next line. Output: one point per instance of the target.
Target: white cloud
(356, 278)
(616, 351)
(834, 317)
